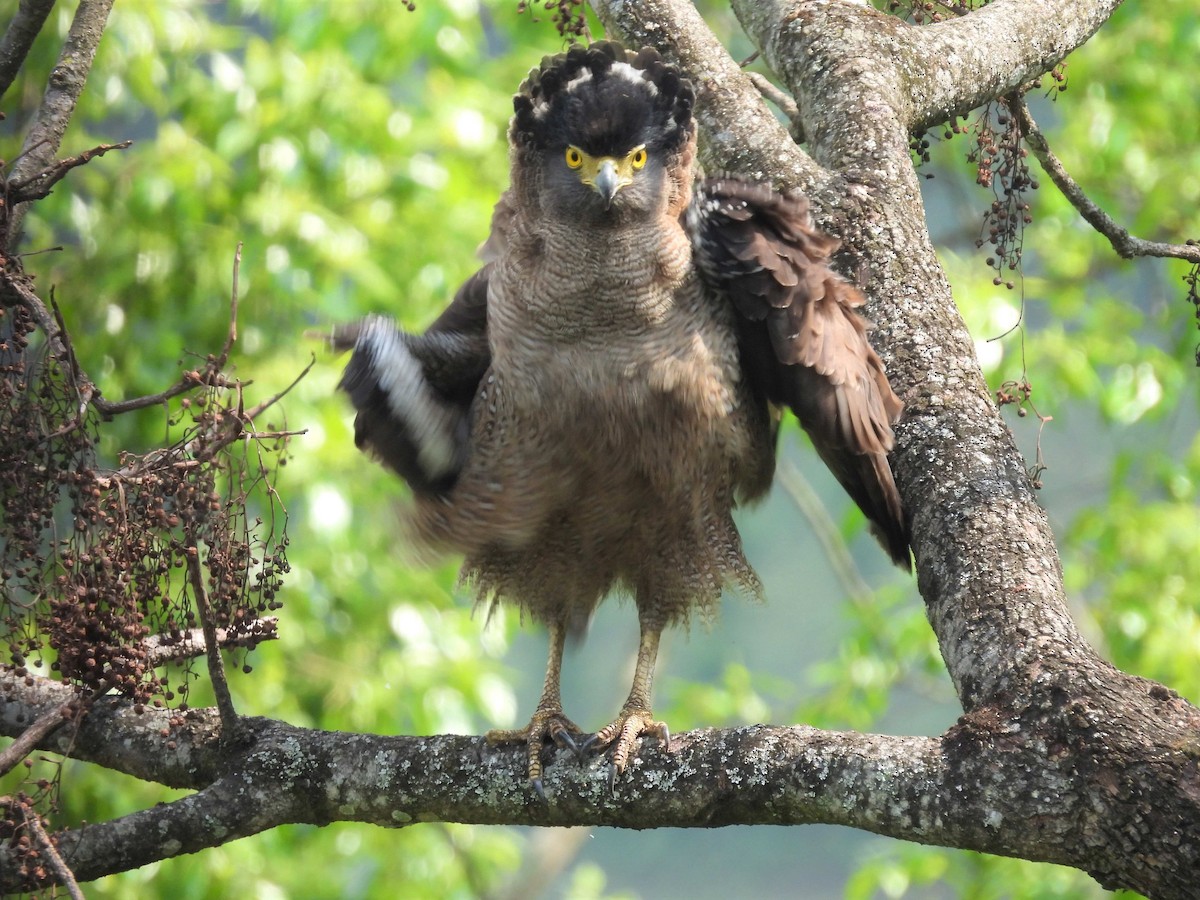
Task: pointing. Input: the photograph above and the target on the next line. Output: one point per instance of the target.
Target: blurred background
(355, 148)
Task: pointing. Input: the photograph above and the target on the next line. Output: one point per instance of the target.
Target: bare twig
(231, 336)
(259, 408)
(826, 532)
(1122, 241)
(31, 737)
(19, 37)
(211, 374)
(212, 645)
(189, 381)
(62, 872)
(38, 185)
(782, 100)
(62, 93)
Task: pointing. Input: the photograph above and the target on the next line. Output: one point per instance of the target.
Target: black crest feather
(584, 97)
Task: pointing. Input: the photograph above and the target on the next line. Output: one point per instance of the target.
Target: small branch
(162, 648)
(1122, 241)
(17, 286)
(19, 37)
(211, 375)
(259, 408)
(212, 645)
(190, 381)
(58, 103)
(38, 185)
(231, 335)
(29, 739)
(62, 872)
(782, 100)
(826, 532)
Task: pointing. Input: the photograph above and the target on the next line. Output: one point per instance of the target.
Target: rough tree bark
(1057, 757)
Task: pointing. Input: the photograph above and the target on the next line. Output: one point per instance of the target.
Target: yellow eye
(638, 157)
(574, 157)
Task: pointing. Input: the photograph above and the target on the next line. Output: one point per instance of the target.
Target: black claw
(564, 739)
(612, 779)
(587, 745)
(666, 737)
(536, 784)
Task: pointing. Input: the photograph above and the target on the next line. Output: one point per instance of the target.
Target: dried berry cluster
(1020, 393)
(16, 814)
(95, 563)
(1001, 164)
(568, 16)
(1192, 280)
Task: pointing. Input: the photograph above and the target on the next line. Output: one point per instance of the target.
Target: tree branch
(32, 737)
(916, 76)
(990, 769)
(162, 649)
(212, 649)
(1122, 241)
(62, 873)
(58, 103)
(19, 37)
(960, 64)
(39, 184)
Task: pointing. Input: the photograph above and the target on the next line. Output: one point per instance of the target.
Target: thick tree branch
(920, 75)
(1122, 241)
(1063, 769)
(19, 37)
(955, 66)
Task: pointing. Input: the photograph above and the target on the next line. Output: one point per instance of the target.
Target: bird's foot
(623, 733)
(547, 723)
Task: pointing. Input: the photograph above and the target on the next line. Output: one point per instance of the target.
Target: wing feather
(413, 393)
(803, 340)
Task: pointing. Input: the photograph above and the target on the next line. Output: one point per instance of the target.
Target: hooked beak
(607, 181)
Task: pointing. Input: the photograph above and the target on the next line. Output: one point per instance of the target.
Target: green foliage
(355, 150)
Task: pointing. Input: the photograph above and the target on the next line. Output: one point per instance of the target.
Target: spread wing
(803, 342)
(413, 393)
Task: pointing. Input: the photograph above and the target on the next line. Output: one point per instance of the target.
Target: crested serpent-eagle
(596, 399)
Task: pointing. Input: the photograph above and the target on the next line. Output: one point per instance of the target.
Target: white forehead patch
(628, 72)
(620, 70)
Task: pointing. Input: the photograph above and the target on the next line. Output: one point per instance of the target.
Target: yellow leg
(635, 718)
(548, 720)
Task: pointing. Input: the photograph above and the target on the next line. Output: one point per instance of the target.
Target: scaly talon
(547, 723)
(623, 733)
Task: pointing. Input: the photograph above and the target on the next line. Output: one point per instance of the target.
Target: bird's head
(602, 132)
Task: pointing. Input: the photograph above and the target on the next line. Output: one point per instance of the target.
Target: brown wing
(803, 342)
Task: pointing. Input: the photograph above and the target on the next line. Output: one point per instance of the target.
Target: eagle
(584, 416)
